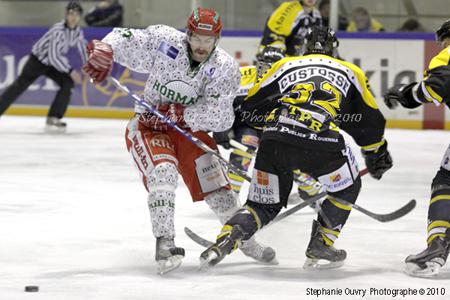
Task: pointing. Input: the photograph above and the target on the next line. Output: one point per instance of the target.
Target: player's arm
(362, 119)
(132, 48)
(280, 24)
(434, 88)
(262, 99)
(136, 48)
(215, 111)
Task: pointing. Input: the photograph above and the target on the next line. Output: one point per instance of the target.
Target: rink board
(387, 59)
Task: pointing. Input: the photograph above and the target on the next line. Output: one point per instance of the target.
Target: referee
(49, 57)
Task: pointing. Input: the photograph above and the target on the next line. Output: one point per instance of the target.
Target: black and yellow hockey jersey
(248, 80)
(287, 26)
(435, 86)
(306, 100)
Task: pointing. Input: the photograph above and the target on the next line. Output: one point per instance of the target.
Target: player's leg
(206, 180)
(61, 101)
(429, 262)
(153, 155)
(269, 191)
(307, 185)
(341, 179)
(32, 69)
(249, 137)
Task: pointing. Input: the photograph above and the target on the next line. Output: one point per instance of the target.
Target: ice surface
(74, 220)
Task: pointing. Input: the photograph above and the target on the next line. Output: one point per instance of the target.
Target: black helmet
(320, 40)
(267, 57)
(75, 6)
(443, 31)
(270, 54)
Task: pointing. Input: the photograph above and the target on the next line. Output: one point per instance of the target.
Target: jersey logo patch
(168, 50)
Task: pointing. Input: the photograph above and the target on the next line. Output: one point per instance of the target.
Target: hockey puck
(32, 288)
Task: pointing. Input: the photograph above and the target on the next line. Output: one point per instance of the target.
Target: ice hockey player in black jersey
(249, 136)
(434, 88)
(287, 26)
(299, 102)
(240, 131)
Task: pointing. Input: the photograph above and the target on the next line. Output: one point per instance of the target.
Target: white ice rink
(74, 221)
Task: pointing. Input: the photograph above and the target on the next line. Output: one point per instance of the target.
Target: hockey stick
(174, 125)
(379, 217)
(206, 243)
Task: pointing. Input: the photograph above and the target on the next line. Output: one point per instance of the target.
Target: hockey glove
(223, 138)
(173, 111)
(100, 60)
(400, 93)
(378, 161)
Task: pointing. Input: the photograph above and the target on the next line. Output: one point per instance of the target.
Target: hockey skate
(258, 252)
(167, 255)
(320, 255)
(227, 241)
(429, 262)
(55, 125)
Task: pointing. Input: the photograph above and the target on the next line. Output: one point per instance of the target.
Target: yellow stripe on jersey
(442, 59)
(438, 224)
(255, 215)
(374, 146)
(329, 235)
(435, 96)
(367, 95)
(438, 198)
(433, 236)
(282, 19)
(242, 153)
(274, 68)
(248, 75)
(338, 204)
(361, 79)
(437, 228)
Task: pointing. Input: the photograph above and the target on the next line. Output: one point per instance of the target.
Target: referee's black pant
(31, 71)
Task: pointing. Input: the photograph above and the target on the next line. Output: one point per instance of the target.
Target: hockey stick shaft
(379, 217)
(206, 243)
(174, 125)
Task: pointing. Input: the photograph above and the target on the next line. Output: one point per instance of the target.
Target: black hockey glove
(223, 138)
(378, 162)
(400, 93)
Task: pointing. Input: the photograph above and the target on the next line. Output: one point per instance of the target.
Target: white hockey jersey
(162, 51)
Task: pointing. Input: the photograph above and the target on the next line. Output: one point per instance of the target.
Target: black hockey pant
(31, 71)
(273, 178)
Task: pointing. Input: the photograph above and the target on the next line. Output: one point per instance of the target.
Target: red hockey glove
(100, 60)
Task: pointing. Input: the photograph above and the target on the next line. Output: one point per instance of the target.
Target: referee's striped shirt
(52, 48)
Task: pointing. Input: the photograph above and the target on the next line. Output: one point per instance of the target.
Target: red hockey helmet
(204, 21)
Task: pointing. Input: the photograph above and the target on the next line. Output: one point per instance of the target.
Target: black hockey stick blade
(404, 210)
(198, 239)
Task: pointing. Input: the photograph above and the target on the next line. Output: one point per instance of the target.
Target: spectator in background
(324, 9)
(412, 25)
(108, 13)
(363, 22)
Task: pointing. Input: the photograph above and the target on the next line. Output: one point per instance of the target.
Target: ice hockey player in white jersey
(193, 82)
